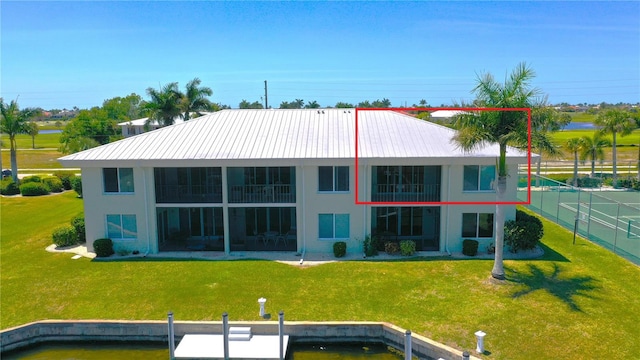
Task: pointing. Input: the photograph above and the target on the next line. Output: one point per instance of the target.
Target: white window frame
(333, 230)
(478, 188)
(119, 178)
(334, 176)
(121, 226)
(477, 230)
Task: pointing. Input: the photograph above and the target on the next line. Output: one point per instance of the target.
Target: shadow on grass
(565, 289)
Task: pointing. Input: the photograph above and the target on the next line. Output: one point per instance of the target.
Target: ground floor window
(122, 226)
(263, 228)
(333, 226)
(477, 225)
(418, 223)
(190, 228)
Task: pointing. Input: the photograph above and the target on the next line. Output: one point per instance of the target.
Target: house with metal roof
(293, 180)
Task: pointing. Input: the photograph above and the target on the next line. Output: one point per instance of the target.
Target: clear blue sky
(65, 54)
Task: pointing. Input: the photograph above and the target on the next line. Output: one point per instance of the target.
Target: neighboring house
(265, 180)
(137, 126)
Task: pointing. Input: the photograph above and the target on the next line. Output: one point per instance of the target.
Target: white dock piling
(281, 333)
(407, 345)
(225, 334)
(262, 301)
(172, 340)
(480, 337)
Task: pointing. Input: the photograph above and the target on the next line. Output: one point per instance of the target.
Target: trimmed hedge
(370, 246)
(78, 224)
(523, 233)
(470, 247)
(8, 187)
(65, 177)
(30, 179)
(391, 247)
(34, 189)
(103, 247)
(407, 247)
(65, 236)
(53, 183)
(76, 185)
(339, 249)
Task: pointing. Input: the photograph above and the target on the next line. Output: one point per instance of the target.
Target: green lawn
(33, 159)
(578, 301)
(42, 141)
(582, 117)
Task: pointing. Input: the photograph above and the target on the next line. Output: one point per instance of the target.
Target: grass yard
(582, 117)
(627, 146)
(33, 159)
(578, 301)
(43, 141)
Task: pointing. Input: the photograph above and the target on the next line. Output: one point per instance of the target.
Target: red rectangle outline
(404, 110)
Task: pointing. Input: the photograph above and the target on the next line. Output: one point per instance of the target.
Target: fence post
(558, 207)
(541, 189)
(225, 334)
(577, 225)
(172, 342)
(281, 333)
(589, 216)
(615, 238)
(407, 345)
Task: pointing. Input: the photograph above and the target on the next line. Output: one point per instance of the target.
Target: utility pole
(266, 102)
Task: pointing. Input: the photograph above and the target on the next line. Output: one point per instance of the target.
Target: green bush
(470, 247)
(32, 178)
(65, 236)
(34, 189)
(407, 247)
(53, 183)
(65, 177)
(103, 247)
(78, 224)
(563, 178)
(586, 182)
(391, 247)
(523, 233)
(629, 183)
(76, 185)
(8, 187)
(370, 246)
(339, 249)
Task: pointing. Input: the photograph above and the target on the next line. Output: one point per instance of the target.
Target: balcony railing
(406, 193)
(189, 194)
(277, 193)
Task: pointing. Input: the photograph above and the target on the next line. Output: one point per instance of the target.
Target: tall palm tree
(574, 145)
(165, 104)
(195, 99)
(614, 122)
(502, 127)
(545, 119)
(593, 149)
(13, 122)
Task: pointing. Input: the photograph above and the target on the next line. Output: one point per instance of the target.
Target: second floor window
(333, 178)
(479, 177)
(118, 180)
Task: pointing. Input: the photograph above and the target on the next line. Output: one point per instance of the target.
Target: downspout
(304, 217)
(446, 229)
(146, 210)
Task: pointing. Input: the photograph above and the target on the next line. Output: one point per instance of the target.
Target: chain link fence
(610, 218)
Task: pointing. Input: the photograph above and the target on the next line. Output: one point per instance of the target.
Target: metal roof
(289, 134)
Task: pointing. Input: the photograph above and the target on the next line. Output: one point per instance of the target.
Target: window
(333, 226)
(476, 225)
(333, 178)
(118, 180)
(122, 227)
(479, 177)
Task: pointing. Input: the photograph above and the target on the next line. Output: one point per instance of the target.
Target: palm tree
(13, 122)
(615, 121)
(545, 119)
(574, 145)
(502, 127)
(164, 105)
(195, 99)
(593, 149)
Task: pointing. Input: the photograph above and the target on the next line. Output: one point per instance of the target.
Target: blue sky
(65, 54)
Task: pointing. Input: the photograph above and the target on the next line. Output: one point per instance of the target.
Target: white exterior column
(225, 211)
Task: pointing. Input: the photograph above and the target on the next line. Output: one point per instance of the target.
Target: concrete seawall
(156, 331)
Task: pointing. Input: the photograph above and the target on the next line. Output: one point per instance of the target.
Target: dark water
(580, 126)
(151, 351)
(49, 131)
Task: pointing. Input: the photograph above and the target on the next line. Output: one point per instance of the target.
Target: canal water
(152, 351)
(580, 126)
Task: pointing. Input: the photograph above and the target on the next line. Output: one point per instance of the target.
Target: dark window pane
(469, 224)
(325, 178)
(342, 178)
(487, 176)
(110, 176)
(325, 225)
(485, 225)
(126, 179)
(470, 178)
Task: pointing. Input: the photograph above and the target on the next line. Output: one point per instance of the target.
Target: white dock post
(407, 345)
(281, 333)
(172, 341)
(225, 334)
(480, 337)
(262, 301)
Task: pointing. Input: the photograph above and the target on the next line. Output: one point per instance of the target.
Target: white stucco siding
(99, 204)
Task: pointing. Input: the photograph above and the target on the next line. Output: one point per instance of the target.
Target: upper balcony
(406, 183)
(188, 185)
(253, 185)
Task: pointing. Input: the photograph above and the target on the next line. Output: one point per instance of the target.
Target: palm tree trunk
(615, 156)
(14, 160)
(498, 268)
(538, 171)
(593, 163)
(575, 169)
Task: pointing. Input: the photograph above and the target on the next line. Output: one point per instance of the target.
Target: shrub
(65, 177)
(103, 247)
(339, 248)
(53, 183)
(391, 247)
(370, 246)
(34, 189)
(76, 185)
(523, 233)
(407, 247)
(8, 187)
(470, 247)
(78, 224)
(65, 236)
(32, 178)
